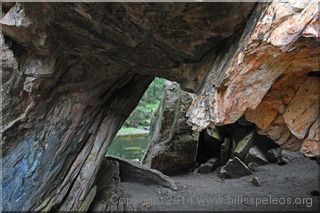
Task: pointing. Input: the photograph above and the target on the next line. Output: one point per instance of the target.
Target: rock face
(173, 146)
(73, 72)
(107, 183)
(269, 75)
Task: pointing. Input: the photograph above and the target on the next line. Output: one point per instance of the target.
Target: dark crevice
(6, 6)
(17, 49)
(314, 74)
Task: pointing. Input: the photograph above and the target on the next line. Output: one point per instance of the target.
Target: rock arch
(73, 72)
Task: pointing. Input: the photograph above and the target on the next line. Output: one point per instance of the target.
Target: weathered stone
(274, 154)
(243, 146)
(237, 133)
(225, 151)
(242, 121)
(290, 155)
(73, 72)
(256, 181)
(88, 199)
(215, 132)
(253, 166)
(173, 147)
(258, 59)
(205, 168)
(310, 146)
(236, 168)
(130, 170)
(223, 174)
(282, 161)
(108, 188)
(255, 155)
(209, 166)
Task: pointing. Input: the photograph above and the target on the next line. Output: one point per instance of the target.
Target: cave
(73, 72)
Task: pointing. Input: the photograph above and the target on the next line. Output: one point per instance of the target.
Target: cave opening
(73, 73)
(218, 144)
(133, 138)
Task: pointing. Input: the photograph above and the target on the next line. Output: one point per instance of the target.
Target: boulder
(282, 161)
(132, 171)
(256, 181)
(223, 174)
(205, 168)
(255, 155)
(236, 168)
(253, 166)
(209, 166)
(274, 154)
(173, 146)
(244, 145)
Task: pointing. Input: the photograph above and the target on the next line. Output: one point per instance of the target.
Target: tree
(140, 117)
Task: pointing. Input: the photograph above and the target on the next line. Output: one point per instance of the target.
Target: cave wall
(73, 72)
(267, 76)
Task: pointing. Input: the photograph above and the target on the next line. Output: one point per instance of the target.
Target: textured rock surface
(244, 145)
(107, 182)
(256, 181)
(209, 166)
(173, 145)
(133, 170)
(73, 72)
(236, 168)
(255, 155)
(265, 76)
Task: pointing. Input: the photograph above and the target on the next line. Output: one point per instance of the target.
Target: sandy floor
(284, 187)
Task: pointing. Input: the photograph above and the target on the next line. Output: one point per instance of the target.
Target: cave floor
(286, 187)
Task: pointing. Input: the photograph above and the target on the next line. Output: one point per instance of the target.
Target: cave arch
(81, 68)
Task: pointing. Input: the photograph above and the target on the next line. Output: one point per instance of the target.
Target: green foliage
(140, 117)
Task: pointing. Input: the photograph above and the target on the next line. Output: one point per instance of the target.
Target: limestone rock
(255, 155)
(173, 146)
(236, 168)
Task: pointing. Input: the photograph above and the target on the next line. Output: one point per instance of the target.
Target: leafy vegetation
(140, 117)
